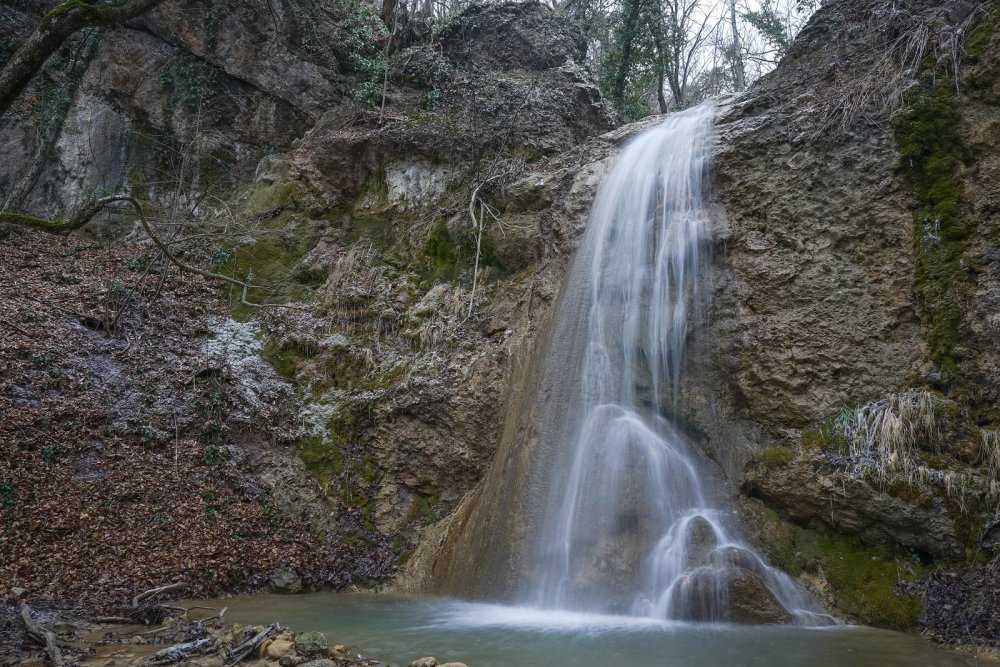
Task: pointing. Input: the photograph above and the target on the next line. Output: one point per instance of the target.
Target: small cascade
(630, 527)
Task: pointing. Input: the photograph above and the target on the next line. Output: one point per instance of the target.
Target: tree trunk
(739, 76)
(661, 56)
(631, 24)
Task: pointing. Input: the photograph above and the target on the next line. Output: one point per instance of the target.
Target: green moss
(426, 506)
(860, 581)
(981, 35)
(442, 253)
(968, 523)
(927, 135)
(324, 456)
(825, 435)
(267, 199)
(376, 190)
(64, 8)
(31, 221)
(446, 256)
(777, 456)
(283, 360)
(374, 227)
(275, 262)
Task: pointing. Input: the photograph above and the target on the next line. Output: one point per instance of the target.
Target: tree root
(45, 637)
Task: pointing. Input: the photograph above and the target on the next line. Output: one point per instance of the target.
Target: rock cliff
(854, 278)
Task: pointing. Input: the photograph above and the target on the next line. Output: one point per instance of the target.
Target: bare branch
(138, 599)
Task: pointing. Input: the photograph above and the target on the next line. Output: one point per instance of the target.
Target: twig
(479, 236)
(16, 328)
(153, 632)
(219, 616)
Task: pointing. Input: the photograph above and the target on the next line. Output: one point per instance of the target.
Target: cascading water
(629, 527)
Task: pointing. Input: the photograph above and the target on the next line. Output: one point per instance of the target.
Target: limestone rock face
(813, 303)
(505, 78)
(234, 77)
(808, 491)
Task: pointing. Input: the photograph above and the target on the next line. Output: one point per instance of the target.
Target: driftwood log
(141, 597)
(250, 645)
(180, 652)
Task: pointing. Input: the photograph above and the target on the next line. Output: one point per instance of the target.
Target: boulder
(277, 649)
(311, 644)
(284, 579)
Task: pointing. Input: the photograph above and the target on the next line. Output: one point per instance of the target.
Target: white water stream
(630, 527)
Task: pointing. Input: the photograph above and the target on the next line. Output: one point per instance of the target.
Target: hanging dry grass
(884, 436)
(904, 43)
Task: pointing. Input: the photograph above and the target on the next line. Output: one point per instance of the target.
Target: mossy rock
(774, 457)
(857, 580)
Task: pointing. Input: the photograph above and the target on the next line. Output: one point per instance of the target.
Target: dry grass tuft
(884, 436)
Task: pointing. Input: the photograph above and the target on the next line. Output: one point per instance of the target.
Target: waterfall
(630, 526)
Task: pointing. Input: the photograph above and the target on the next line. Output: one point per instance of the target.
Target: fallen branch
(45, 637)
(219, 616)
(249, 646)
(180, 652)
(138, 599)
(16, 328)
(157, 630)
(116, 620)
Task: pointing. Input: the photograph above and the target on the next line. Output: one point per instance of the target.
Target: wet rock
(312, 644)
(276, 649)
(807, 491)
(751, 602)
(424, 662)
(284, 579)
(747, 599)
(452, 664)
(325, 662)
(700, 540)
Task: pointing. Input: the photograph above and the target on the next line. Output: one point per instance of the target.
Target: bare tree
(685, 28)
